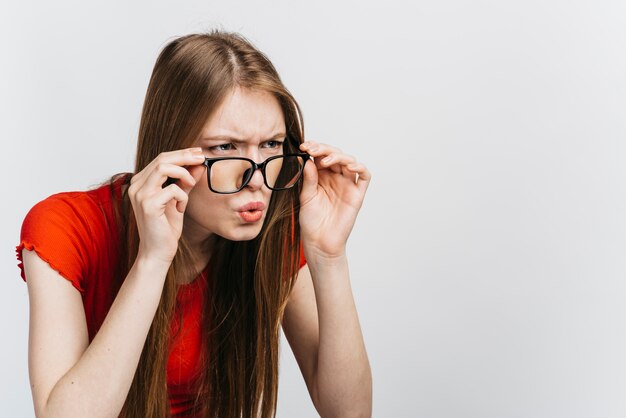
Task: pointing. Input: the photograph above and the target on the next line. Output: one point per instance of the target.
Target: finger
(196, 172)
(317, 149)
(332, 167)
(162, 171)
(309, 182)
(363, 175)
(184, 157)
(154, 203)
(360, 169)
(349, 174)
(187, 156)
(337, 162)
(171, 192)
(337, 158)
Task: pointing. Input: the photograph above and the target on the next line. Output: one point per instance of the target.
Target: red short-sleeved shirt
(76, 234)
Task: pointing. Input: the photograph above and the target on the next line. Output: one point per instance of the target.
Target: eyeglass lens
(228, 176)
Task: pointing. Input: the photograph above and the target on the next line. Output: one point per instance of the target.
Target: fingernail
(327, 159)
(197, 153)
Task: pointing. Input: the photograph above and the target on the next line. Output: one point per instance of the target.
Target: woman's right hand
(159, 211)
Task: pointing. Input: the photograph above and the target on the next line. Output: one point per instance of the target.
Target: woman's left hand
(332, 194)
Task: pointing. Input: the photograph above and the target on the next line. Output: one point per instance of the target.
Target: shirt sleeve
(54, 229)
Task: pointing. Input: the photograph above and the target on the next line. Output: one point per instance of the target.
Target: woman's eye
(272, 144)
(221, 148)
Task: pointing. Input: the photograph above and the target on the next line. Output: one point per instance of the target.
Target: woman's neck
(200, 245)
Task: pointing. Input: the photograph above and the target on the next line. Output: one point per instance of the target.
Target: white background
(488, 262)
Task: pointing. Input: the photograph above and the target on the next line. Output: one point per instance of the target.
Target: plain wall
(488, 260)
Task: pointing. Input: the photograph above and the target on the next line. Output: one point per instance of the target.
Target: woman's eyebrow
(238, 140)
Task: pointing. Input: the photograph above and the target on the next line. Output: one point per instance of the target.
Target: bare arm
(322, 327)
(69, 377)
(321, 322)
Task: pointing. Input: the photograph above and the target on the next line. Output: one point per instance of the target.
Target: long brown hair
(250, 280)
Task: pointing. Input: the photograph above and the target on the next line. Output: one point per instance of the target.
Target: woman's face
(248, 123)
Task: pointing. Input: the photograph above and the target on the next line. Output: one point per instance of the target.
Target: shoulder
(62, 213)
(73, 211)
(66, 204)
(69, 229)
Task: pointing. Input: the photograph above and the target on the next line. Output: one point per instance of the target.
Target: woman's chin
(242, 234)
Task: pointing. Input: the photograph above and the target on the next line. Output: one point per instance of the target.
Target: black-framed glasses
(227, 175)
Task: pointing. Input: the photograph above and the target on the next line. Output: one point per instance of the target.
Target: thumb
(309, 182)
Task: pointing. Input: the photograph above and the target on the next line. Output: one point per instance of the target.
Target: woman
(163, 292)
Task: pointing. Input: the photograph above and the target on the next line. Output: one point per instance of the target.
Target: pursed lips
(251, 207)
(251, 212)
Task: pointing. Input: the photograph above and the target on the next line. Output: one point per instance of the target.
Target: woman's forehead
(246, 114)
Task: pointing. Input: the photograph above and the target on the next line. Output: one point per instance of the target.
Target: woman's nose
(256, 181)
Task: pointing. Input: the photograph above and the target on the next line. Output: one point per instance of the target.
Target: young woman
(162, 293)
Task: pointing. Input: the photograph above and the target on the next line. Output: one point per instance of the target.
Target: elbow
(357, 411)
(357, 407)
(350, 398)
(39, 406)
(40, 412)
(360, 411)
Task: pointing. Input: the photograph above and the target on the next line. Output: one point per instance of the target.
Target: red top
(75, 233)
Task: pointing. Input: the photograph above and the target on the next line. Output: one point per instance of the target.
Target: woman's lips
(251, 212)
(251, 216)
